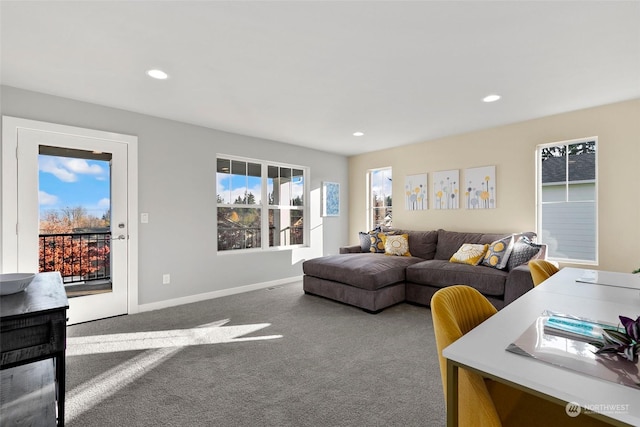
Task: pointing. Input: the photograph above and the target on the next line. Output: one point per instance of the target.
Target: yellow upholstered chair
(482, 402)
(541, 270)
(455, 311)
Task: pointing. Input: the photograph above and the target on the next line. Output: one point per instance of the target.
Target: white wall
(177, 172)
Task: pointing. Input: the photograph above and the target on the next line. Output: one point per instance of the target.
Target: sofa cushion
(450, 241)
(422, 244)
(441, 273)
(366, 271)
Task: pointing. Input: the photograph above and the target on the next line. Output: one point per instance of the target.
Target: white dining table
(590, 294)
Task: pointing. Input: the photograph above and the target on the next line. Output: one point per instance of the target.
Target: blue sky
(231, 186)
(70, 182)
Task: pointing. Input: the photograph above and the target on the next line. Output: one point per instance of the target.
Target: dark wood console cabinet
(33, 328)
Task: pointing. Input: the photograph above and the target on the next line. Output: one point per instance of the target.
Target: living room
(177, 154)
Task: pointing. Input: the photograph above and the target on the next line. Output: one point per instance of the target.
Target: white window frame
(369, 202)
(540, 203)
(265, 207)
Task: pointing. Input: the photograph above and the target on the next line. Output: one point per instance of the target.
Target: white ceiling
(312, 73)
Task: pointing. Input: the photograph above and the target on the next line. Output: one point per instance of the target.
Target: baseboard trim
(215, 294)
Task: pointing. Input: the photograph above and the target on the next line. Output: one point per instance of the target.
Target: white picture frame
(330, 198)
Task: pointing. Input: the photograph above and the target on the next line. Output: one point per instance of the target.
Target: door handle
(120, 237)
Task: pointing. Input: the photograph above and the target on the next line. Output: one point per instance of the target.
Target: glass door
(72, 215)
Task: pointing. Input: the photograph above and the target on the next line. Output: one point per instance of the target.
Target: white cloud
(46, 199)
(104, 203)
(81, 166)
(67, 170)
(50, 165)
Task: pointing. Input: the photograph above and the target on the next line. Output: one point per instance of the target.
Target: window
(567, 195)
(380, 192)
(285, 186)
(260, 204)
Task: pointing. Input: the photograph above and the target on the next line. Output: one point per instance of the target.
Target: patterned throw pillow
(396, 244)
(523, 250)
(498, 253)
(377, 244)
(469, 253)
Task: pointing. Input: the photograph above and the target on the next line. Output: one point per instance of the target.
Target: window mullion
(566, 173)
(264, 211)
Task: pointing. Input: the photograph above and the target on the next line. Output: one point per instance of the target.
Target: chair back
(541, 270)
(455, 311)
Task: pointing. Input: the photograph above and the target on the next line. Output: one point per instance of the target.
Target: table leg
(60, 385)
(452, 394)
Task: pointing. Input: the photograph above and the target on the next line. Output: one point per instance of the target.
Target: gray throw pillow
(365, 241)
(523, 250)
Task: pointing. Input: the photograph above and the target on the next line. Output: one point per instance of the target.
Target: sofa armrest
(354, 249)
(518, 283)
(542, 253)
(519, 280)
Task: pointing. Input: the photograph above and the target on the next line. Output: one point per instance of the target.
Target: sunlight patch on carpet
(158, 346)
(202, 335)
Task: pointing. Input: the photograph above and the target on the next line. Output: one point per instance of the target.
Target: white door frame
(9, 240)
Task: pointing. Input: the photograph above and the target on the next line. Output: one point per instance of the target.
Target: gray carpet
(318, 363)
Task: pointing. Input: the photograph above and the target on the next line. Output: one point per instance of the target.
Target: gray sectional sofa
(375, 281)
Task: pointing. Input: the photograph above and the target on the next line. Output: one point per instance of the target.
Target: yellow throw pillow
(469, 253)
(396, 244)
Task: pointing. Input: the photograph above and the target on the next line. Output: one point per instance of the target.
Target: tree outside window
(380, 197)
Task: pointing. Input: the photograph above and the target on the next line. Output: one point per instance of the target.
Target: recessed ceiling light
(491, 98)
(157, 74)
(358, 133)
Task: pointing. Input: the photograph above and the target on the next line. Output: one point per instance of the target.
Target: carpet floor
(271, 357)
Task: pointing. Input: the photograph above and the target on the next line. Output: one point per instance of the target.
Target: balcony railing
(230, 238)
(79, 257)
